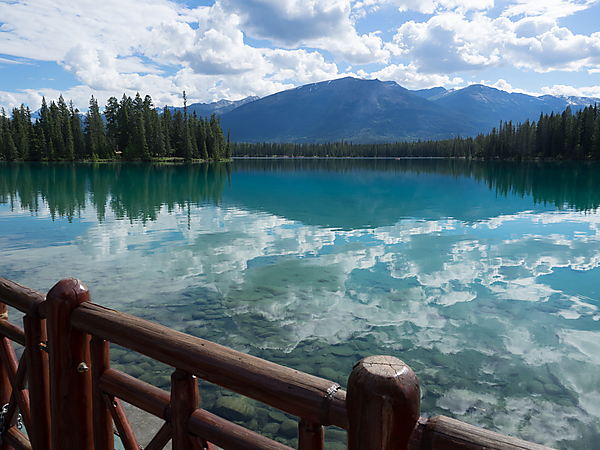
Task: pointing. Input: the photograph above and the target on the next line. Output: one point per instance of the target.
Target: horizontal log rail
(289, 390)
(442, 432)
(13, 332)
(26, 300)
(155, 401)
(26, 382)
(380, 410)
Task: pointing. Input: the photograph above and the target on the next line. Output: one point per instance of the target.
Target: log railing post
(185, 398)
(5, 387)
(311, 436)
(103, 424)
(383, 404)
(69, 361)
(39, 383)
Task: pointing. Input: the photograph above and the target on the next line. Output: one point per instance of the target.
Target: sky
(232, 49)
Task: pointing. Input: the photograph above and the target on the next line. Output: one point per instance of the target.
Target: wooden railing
(69, 397)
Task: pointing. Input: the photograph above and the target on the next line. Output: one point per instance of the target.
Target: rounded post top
(385, 366)
(69, 288)
(385, 375)
(383, 404)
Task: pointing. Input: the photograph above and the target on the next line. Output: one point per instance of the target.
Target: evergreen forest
(134, 130)
(131, 129)
(568, 136)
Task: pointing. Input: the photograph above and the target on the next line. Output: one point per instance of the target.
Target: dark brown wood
(228, 435)
(14, 332)
(311, 436)
(69, 361)
(300, 394)
(122, 423)
(444, 433)
(162, 437)
(383, 404)
(10, 415)
(22, 298)
(382, 410)
(38, 381)
(184, 401)
(21, 394)
(202, 423)
(103, 426)
(16, 439)
(16, 375)
(141, 395)
(5, 387)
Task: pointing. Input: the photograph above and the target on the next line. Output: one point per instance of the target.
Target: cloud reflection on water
(478, 306)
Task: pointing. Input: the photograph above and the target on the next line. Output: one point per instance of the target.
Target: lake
(482, 276)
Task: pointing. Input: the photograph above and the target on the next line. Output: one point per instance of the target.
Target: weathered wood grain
(102, 421)
(292, 391)
(444, 433)
(69, 360)
(38, 377)
(383, 404)
(24, 299)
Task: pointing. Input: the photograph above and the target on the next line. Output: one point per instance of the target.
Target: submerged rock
(288, 428)
(277, 416)
(271, 429)
(234, 408)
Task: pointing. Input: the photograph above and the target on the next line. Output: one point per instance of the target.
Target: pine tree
(66, 130)
(56, 132)
(21, 130)
(167, 130)
(587, 130)
(187, 143)
(9, 149)
(44, 122)
(125, 121)
(97, 144)
(200, 138)
(217, 146)
(178, 137)
(228, 147)
(38, 143)
(211, 142)
(111, 114)
(76, 132)
(595, 153)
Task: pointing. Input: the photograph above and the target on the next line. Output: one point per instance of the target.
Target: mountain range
(368, 111)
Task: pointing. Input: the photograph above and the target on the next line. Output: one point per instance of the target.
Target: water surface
(481, 276)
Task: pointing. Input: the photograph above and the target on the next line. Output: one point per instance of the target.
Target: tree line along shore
(133, 129)
(566, 136)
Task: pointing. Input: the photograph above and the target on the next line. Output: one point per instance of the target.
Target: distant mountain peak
(219, 107)
(350, 109)
(371, 110)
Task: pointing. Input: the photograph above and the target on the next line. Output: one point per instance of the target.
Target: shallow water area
(480, 276)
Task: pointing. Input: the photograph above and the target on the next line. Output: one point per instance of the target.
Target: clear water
(483, 277)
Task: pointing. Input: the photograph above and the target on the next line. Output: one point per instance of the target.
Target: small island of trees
(129, 129)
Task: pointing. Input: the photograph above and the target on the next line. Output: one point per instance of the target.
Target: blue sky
(231, 49)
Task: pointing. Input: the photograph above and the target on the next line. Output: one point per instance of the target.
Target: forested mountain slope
(360, 111)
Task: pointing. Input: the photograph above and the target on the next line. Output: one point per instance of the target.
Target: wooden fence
(69, 397)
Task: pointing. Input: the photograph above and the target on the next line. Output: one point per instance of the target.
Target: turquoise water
(481, 276)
